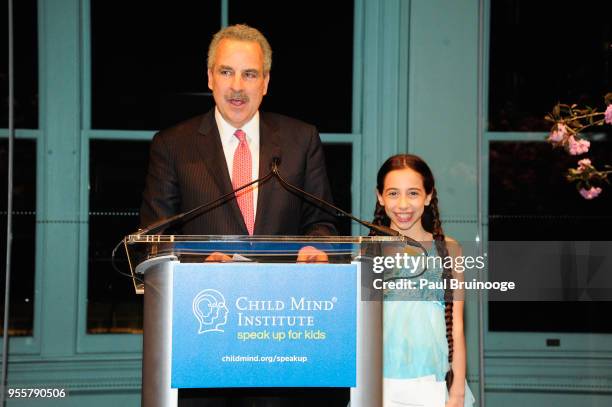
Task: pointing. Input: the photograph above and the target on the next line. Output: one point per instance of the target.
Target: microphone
(186, 216)
(383, 230)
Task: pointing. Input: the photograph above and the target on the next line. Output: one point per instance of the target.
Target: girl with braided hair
(423, 335)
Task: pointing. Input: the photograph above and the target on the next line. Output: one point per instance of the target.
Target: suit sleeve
(316, 221)
(161, 198)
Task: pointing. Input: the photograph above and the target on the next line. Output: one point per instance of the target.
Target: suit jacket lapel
(211, 150)
(269, 147)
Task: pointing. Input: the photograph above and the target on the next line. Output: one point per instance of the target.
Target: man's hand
(218, 257)
(309, 254)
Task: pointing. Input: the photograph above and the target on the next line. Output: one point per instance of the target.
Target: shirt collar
(226, 130)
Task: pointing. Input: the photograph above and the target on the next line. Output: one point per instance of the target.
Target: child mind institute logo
(210, 310)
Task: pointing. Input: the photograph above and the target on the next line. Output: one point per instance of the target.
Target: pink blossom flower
(555, 137)
(577, 147)
(608, 115)
(584, 164)
(584, 144)
(558, 134)
(590, 193)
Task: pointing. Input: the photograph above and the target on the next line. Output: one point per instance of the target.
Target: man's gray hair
(241, 32)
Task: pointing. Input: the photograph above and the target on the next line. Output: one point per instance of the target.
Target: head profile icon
(210, 310)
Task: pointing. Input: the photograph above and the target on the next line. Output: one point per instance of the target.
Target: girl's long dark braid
(442, 249)
(380, 218)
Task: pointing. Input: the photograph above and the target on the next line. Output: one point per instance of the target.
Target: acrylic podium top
(266, 249)
(261, 249)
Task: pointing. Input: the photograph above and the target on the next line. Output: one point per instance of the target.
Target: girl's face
(404, 199)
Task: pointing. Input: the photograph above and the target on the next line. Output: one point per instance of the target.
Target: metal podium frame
(153, 258)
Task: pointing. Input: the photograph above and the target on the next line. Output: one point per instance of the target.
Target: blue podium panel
(264, 325)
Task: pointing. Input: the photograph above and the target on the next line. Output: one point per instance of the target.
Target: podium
(259, 320)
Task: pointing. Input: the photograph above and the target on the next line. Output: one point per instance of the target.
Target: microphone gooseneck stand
(274, 172)
(383, 230)
(192, 213)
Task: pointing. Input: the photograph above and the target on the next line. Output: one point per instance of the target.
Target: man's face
(237, 80)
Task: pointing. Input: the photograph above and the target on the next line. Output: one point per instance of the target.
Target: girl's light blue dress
(414, 331)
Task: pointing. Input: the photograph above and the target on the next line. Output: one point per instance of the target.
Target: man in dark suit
(200, 159)
(206, 157)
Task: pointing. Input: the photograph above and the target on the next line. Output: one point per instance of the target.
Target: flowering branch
(569, 122)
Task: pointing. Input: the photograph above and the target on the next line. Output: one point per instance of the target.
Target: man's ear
(266, 81)
(210, 79)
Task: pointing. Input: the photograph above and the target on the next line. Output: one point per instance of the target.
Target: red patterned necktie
(241, 175)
